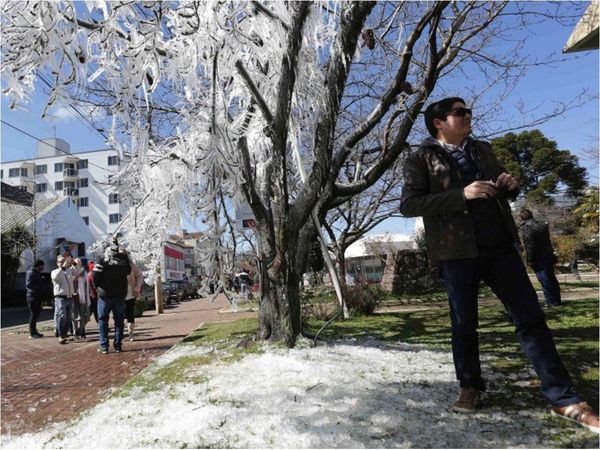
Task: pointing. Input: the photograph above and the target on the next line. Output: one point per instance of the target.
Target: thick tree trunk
(279, 313)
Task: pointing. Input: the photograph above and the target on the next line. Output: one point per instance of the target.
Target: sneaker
(102, 350)
(581, 413)
(118, 350)
(62, 340)
(36, 336)
(39, 335)
(467, 402)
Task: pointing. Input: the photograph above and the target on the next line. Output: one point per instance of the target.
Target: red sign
(249, 223)
(173, 253)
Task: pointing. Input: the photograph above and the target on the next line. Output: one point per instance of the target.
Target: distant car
(171, 292)
(177, 290)
(148, 296)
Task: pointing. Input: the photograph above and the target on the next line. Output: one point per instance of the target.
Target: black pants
(130, 310)
(503, 271)
(94, 308)
(35, 306)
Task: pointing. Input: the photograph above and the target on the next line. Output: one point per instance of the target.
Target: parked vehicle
(172, 292)
(148, 296)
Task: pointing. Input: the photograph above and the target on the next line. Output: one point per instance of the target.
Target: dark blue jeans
(105, 306)
(503, 271)
(545, 275)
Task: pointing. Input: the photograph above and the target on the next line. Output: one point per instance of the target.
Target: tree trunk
(341, 269)
(279, 313)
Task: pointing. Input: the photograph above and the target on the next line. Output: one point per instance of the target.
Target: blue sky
(576, 131)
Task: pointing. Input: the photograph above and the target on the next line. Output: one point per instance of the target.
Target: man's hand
(506, 182)
(480, 189)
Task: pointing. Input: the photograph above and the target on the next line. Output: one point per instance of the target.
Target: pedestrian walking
(110, 278)
(134, 291)
(574, 267)
(540, 255)
(36, 286)
(62, 280)
(457, 185)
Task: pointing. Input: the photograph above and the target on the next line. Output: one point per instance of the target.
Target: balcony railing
(71, 192)
(71, 173)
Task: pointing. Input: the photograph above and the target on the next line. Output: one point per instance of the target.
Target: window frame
(37, 170)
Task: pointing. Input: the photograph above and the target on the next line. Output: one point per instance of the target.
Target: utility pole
(158, 299)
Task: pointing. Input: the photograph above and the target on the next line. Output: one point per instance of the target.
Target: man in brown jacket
(457, 185)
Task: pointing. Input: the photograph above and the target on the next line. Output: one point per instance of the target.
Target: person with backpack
(110, 278)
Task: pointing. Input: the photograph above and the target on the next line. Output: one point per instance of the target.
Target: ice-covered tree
(262, 100)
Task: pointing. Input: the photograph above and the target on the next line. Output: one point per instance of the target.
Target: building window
(69, 184)
(82, 202)
(82, 182)
(14, 172)
(43, 168)
(114, 218)
(22, 188)
(41, 187)
(23, 172)
(82, 164)
(2, 174)
(58, 167)
(86, 220)
(113, 198)
(113, 160)
(58, 185)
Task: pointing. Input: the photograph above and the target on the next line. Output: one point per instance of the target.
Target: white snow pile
(354, 394)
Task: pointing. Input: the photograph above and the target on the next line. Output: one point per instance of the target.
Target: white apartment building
(82, 177)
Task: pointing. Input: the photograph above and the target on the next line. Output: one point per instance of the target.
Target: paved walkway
(44, 382)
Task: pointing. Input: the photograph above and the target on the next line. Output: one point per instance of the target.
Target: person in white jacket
(62, 281)
(81, 300)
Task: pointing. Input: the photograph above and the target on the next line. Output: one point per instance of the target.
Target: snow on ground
(360, 394)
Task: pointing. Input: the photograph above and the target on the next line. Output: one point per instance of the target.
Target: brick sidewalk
(44, 382)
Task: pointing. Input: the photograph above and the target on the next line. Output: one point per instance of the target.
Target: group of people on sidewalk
(112, 284)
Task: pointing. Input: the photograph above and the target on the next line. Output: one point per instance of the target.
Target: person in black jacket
(540, 255)
(36, 286)
(459, 188)
(110, 278)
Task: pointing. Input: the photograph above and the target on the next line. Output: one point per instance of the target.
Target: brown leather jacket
(433, 189)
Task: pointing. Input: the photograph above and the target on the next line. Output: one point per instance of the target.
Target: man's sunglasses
(460, 112)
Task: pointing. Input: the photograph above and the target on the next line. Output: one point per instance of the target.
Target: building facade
(55, 225)
(82, 177)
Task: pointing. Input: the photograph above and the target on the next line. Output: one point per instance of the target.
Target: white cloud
(61, 114)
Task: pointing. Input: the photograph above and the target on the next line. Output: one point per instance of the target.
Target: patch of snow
(353, 394)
